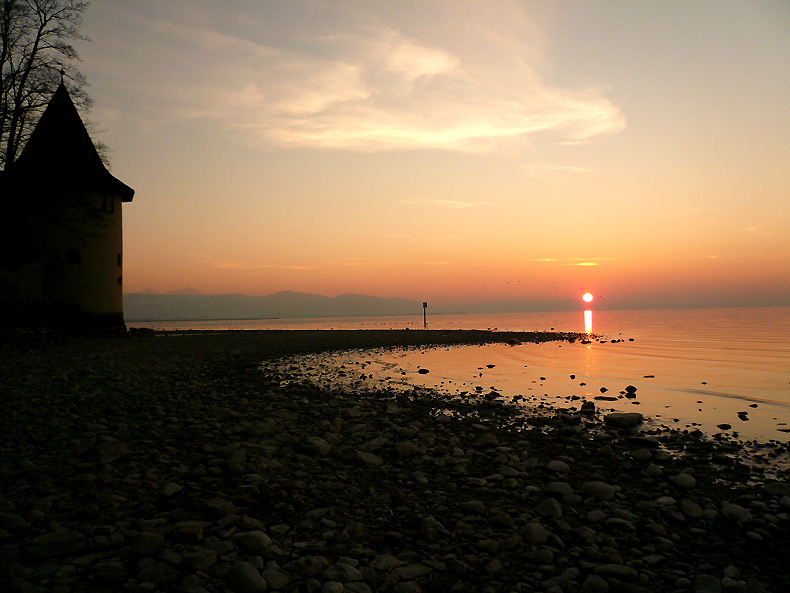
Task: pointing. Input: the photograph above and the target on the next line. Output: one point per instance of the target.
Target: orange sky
(451, 151)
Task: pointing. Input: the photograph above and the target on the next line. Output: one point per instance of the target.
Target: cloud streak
(582, 262)
(246, 265)
(390, 263)
(546, 169)
(249, 265)
(454, 204)
(370, 87)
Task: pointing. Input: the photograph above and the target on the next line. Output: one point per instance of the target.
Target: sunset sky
(459, 151)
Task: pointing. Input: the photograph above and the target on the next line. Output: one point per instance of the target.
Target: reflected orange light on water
(588, 321)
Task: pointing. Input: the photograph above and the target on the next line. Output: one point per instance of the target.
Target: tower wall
(75, 276)
(83, 263)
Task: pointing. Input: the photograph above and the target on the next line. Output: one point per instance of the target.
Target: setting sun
(587, 297)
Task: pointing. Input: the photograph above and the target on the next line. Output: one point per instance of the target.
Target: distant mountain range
(188, 304)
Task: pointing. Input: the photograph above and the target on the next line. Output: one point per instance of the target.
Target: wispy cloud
(366, 85)
(246, 265)
(389, 263)
(455, 204)
(693, 211)
(415, 238)
(250, 265)
(546, 169)
(578, 261)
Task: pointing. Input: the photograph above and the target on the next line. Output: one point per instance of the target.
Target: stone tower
(61, 249)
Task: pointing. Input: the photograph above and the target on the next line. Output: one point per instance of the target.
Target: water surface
(692, 368)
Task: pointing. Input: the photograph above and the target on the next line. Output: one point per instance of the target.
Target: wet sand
(174, 462)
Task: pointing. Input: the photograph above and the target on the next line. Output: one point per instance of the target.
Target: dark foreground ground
(172, 463)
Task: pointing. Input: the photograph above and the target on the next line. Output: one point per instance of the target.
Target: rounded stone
(735, 512)
(243, 577)
(201, 558)
(342, 572)
(147, 543)
(485, 440)
(706, 583)
(618, 571)
(534, 533)
(549, 508)
(623, 419)
(315, 445)
(598, 490)
(690, 508)
(406, 449)
(219, 507)
(561, 488)
(560, 467)
(255, 541)
(594, 584)
(684, 481)
(369, 459)
(275, 579)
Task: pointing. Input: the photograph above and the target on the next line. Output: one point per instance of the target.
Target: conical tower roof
(60, 153)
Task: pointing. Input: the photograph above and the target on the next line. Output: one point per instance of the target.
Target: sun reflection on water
(588, 322)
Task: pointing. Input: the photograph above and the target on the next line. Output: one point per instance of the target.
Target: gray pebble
(147, 543)
(598, 490)
(243, 577)
(706, 583)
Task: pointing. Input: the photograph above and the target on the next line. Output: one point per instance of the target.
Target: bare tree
(35, 55)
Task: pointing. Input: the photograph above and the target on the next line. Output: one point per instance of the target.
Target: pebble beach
(179, 461)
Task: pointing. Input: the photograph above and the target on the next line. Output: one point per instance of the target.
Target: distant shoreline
(183, 319)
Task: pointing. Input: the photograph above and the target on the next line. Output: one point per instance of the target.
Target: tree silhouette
(35, 55)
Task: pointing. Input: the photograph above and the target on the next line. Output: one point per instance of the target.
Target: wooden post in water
(425, 314)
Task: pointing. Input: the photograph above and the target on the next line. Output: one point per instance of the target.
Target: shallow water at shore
(692, 368)
(564, 375)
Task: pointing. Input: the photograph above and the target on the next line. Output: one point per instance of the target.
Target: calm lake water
(691, 367)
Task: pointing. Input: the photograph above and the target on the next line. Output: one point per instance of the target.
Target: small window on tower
(108, 202)
(120, 260)
(120, 280)
(74, 256)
